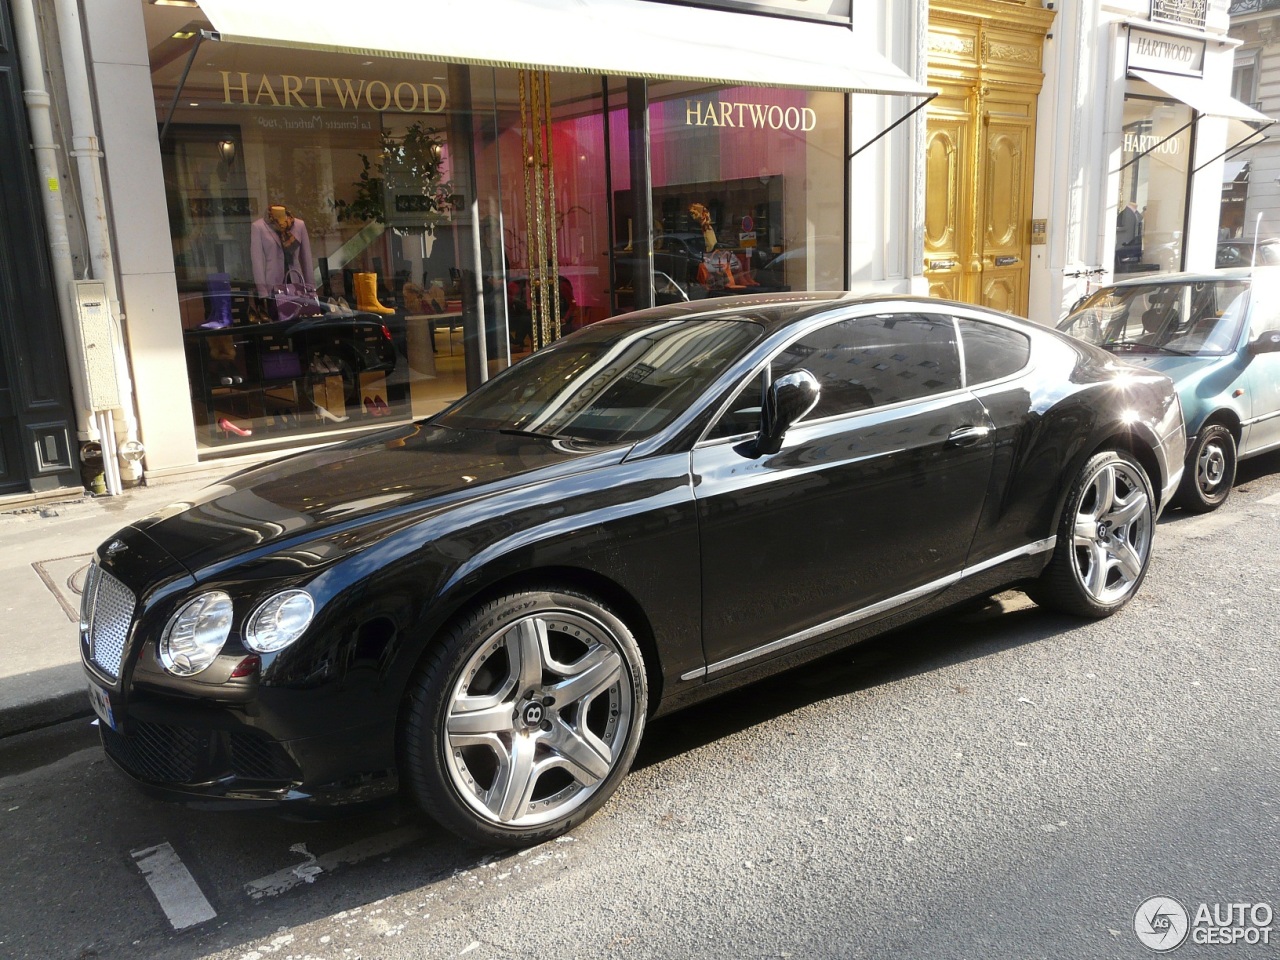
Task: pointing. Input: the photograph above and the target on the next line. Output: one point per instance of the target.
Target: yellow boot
(367, 294)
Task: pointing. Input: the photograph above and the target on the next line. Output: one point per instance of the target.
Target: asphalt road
(1001, 783)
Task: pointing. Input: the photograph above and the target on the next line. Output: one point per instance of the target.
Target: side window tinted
(743, 415)
(877, 360)
(991, 351)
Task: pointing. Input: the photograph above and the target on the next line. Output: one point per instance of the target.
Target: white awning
(1196, 94)
(624, 38)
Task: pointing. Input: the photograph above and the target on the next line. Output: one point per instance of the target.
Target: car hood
(1176, 368)
(349, 494)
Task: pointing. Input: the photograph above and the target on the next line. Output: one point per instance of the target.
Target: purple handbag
(295, 299)
(281, 365)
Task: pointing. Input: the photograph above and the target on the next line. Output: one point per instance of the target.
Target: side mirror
(788, 399)
(1267, 342)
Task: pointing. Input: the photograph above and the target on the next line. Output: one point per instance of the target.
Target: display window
(361, 241)
(1151, 207)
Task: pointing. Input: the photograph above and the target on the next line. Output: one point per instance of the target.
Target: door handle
(967, 436)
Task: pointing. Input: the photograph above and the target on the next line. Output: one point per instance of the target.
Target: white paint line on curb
(173, 886)
(277, 883)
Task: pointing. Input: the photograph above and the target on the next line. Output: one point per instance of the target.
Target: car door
(873, 496)
(1262, 370)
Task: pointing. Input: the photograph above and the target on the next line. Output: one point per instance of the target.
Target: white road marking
(173, 886)
(306, 872)
(1274, 498)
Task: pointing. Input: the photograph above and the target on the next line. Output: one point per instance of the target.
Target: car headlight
(279, 621)
(196, 633)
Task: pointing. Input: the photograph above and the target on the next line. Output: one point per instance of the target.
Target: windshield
(1201, 318)
(613, 382)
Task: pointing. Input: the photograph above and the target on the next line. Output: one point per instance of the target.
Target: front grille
(157, 752)
(107, 611)
(162, 753)
(255, 757)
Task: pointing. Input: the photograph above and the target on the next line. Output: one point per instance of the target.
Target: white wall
(121, 74)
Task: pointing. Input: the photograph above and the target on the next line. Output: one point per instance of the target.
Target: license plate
(101, 702)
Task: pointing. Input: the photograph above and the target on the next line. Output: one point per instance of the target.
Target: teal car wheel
(1211, 470)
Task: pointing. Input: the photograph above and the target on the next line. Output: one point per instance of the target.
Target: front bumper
(208, 765)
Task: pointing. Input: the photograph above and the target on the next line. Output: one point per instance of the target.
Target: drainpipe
(88, 155)
(45, 150)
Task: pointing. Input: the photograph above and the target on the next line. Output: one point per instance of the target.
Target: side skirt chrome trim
(848, 619)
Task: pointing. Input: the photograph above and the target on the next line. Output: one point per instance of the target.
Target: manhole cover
(65, 579)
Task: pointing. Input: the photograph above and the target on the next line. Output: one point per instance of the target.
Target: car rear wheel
(1211, 470)
(1104, 539)
(525, 718)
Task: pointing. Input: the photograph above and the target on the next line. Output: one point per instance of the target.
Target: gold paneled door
(985, 59)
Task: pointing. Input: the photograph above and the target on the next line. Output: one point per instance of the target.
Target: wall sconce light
(227, 150)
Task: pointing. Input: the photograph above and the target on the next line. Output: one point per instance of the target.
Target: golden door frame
(985, 59)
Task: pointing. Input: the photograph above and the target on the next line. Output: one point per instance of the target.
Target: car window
(612, 382)
(1198, 318)
(992, 351)
(872, 361)
(743, 413)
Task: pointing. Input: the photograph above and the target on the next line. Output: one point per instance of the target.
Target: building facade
(263, 234)
(1136, 125)
(309, 230)
(1251, 184)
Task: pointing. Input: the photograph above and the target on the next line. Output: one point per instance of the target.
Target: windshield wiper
(517, 432)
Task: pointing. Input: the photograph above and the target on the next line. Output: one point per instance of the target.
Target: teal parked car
(1217, 335)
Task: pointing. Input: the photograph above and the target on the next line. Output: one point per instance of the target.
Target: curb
(49, 712)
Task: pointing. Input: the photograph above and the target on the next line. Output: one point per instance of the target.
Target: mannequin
(280, 250)
(702, 217)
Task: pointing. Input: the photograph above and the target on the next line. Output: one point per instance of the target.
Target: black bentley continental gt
(485, 607)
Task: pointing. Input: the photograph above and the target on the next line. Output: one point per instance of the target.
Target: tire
(1211, 470)
(1103, 547)
(524, 718)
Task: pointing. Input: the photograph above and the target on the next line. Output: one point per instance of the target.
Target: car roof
(1191, 276)
(776, 310)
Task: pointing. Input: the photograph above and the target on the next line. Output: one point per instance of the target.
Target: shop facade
(1137, 127)
(318, 235)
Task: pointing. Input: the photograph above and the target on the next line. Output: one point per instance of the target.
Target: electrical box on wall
(94, 315)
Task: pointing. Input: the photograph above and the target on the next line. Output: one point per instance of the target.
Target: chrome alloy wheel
(537, 718)
(1112, 531)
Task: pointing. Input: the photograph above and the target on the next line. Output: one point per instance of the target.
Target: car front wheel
(525, 718)
(1104, 539)
(1211, 470)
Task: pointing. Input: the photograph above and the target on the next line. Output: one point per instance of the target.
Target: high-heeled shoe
(326, 414)
(229, 427)
(380, 406)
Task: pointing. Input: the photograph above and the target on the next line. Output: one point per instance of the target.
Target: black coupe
(484, 608)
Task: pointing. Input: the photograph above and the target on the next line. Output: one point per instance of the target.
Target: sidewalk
(44, 550)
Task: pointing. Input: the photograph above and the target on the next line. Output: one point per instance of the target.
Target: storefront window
(748, 192)
(1151, 208)
(340, 225)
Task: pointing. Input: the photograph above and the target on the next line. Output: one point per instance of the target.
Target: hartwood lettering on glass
(1144, 142)
(758, 116)
(319, 93)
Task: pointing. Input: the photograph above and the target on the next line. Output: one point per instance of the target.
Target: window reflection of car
(1217, 335)
(676, 259)
(485, 608)
(1244, 253)
(321, 338)
(789, 270)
